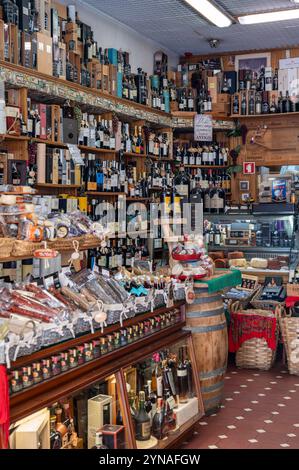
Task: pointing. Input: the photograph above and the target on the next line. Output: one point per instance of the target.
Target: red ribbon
(4, 408)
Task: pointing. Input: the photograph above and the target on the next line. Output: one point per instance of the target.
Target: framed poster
(253, 61)
(203, 128)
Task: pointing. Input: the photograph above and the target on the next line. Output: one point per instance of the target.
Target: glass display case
(259, 234)
(141, 394)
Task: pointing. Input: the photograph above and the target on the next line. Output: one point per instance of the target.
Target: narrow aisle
(260, 410)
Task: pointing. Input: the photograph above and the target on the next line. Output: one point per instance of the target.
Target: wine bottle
(159, 428)
(182, 378)
(143, 422)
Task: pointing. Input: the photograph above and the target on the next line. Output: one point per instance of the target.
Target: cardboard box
(113, 56)
(44, 54)
(282, 81)
(186, 411)
(212, 88)
(113, 79)
(119, 84)
(223, 98)
(289, 63)
(268, 78)
(99, 413)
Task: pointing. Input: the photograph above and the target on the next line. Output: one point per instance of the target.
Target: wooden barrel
(206, 320)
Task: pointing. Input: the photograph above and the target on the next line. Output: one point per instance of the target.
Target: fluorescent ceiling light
(210, 12)
(269, 17)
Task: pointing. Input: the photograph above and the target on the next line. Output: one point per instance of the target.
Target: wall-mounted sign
(249, 168)
(203, 128)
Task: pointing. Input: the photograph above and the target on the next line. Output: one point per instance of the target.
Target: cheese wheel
(259, 263)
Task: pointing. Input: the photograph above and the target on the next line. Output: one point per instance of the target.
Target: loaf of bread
(216, 255)
(259, 263)
(274, 263)
(235, 255)
(238, 263)
(221, 263)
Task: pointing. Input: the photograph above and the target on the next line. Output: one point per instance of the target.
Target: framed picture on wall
(244, 185)
(253, 61)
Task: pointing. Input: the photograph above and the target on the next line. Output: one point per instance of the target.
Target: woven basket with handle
(255, 353)
(290, 334)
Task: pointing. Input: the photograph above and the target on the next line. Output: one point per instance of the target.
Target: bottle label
(182, 373)
(182, 189)
(159, 386)
(171, 402)
(143, 430)
(91, 186)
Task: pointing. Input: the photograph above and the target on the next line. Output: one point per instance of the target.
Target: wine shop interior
(149, 247)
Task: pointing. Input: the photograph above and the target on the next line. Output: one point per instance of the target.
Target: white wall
(109, 32)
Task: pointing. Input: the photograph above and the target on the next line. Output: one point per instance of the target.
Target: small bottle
(99, 441)
(37, 372)
(103, 345)
(47, 373)
(16, 382)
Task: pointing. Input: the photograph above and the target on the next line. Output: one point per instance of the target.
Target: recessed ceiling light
(211, 12)
(281, 15)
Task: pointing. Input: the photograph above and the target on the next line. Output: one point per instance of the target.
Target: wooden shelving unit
(57, 186)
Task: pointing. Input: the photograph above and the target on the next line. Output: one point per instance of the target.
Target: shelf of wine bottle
(206, 167)
(258, 249)
(104, 194)
(62, 186)
(250, 116)
(135, 155)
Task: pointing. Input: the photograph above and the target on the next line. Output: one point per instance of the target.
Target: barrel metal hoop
(205, 313)
(216, 399)
(213, 373)
(207, 300)
(206, 329)
(212, 388)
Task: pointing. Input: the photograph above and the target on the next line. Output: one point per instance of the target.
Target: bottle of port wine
(182, 377)
(143, 422)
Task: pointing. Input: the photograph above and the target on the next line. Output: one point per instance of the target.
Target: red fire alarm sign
(249, 168)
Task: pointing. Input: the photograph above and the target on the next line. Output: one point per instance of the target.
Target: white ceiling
(174, 25)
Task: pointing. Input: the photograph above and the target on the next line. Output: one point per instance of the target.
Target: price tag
(75, 154)
(105, 272)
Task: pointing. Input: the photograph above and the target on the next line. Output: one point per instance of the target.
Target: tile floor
(260, 410)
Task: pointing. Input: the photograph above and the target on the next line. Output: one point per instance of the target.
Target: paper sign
(203, 128)
(249, 168)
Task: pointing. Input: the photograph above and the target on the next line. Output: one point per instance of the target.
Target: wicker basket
(6, 246)
(255, 353)
(243, 303)
(290, 334)
(25, 248)
(257, 302)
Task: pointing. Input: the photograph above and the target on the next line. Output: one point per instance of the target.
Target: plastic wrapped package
(24, 338)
